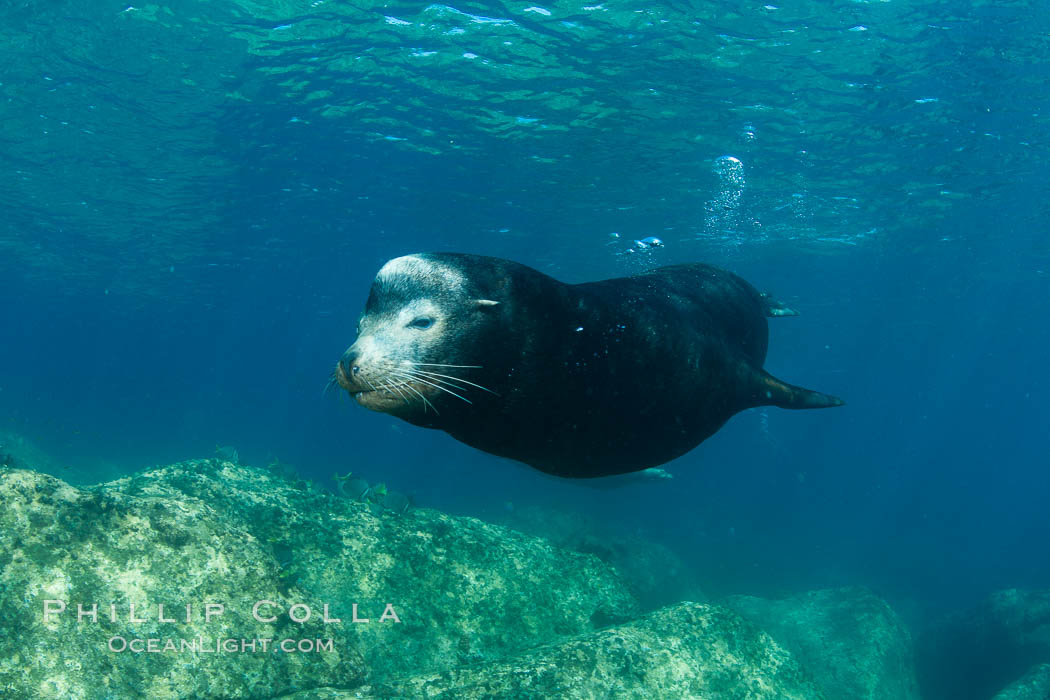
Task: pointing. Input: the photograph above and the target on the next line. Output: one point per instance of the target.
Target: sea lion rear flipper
(767, 390)
(777, 308)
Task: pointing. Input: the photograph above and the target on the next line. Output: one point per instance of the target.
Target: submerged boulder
(686, 650)
(1034, 685)
(850, 640)
(655, 574)
(67, 555)
(206, 531)
(972, 654)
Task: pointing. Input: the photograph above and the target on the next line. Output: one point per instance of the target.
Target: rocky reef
(191, 580)
(686, 650)
(851, 640)
(655, 575)
(1034, 685)
(971, 654)
(212, 532)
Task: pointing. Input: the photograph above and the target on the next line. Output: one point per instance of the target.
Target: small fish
(656, 474)
(351, 488)
(397, 502)
(377, 493)
(228, 453)
(281, 469)
(356, 489)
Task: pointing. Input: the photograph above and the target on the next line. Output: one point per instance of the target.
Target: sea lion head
(418, 340)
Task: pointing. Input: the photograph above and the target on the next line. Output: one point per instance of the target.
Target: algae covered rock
(850, 640)
(464, 590)
(1021, 618)
(688, 650)
(1034, 685)
(973, 654)
(61, 547)
(448, 590)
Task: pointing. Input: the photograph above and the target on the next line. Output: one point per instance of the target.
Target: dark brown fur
(586, 380)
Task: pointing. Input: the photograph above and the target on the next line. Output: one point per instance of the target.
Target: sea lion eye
(421, 322)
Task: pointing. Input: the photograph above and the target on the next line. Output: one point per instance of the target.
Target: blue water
(196, 197)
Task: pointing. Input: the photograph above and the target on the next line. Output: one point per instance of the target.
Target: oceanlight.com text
(204, 645)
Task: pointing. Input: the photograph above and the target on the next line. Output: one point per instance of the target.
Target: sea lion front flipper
(775, 308)
(767, 390)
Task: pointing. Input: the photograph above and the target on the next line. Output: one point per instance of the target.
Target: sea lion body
(577, 380)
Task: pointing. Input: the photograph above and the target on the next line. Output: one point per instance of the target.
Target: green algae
(213, 531)
(686, 650)
(851, 640)
(455, 607)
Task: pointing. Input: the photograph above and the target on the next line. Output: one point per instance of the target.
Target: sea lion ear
(485, 303)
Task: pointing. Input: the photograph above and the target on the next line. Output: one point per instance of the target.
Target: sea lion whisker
(436, 386)
(435, 364)
(434, 375)
(396, 390)
(426, 403)
(419, 377)
(331, 381)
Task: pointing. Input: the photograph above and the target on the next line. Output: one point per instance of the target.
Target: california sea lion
(577, 380)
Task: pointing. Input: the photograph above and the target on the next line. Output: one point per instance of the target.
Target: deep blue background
(930, 485)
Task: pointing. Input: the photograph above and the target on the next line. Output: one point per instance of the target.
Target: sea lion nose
(349, 363)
